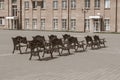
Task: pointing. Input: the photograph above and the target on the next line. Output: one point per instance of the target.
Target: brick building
(61, 15)
(10, 14)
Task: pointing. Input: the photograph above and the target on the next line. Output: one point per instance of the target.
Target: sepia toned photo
(59, 40)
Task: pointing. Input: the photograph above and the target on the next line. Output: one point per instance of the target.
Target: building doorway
(96, 25)
(14, 23)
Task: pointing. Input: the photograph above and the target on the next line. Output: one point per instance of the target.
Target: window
(26, 23)
(73, 24)
(55, 4)
(42, 24)
(55, 24)
(107, 24)
(14, 10)
(64, 4)
(34, 23)
(1, 4)
(14, 1)
(97, 4)
(26, 4)
(43, 4)
(2, 20)
(34, 4)
(73, 4)
(64, 24)
(87, 24)
(107, 3)
(87, 4)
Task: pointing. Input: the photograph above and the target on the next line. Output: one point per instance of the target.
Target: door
(14, 24)
(96, 25)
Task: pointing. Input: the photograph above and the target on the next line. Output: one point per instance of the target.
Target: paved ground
(101, 64)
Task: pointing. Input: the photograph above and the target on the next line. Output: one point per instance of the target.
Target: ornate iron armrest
(103, 39)
(81, 42)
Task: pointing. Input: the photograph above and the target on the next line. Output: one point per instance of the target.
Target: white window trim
(14, 10)
(55, 23)
(87, 4)
(97, 4)
(87, 24)
(64, 4)
(35, 5)
(64, 23)
(34, 24)
(107, 26)
(107, 4)
(73, 24)
(1, 5)
(43, 4)
(26, 4)
(42, 24)
(55, 4)
(27, 23)
(73, 4)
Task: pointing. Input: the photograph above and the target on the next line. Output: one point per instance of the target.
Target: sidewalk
(101, 64)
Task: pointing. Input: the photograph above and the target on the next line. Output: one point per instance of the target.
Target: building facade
(10, 14)
(61, 15)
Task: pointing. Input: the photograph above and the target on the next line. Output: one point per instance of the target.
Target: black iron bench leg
(51, 54)
(69, 51)
(13, 50)
(43, 54)
(61, 51)
(39, 56)
(31, 54)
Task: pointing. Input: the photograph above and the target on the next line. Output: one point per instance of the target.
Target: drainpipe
(68, 14)
(20, 27)
(116, 27)
(8, 15)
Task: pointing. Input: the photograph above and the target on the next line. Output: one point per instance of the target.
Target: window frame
(87, 4)
(55, 23)
(42, 24)
(1, 4)
(64, 4)
(43, 4)
(34, 4)
(14, 1)
(26, 4)
(64, 24)
(97, 4)
(106, 24)
(14, 10)
(73, 24)
(87, 24)
(55, 4)
(73, 4)
(107, 4)
(27, 23)
(34, 23)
